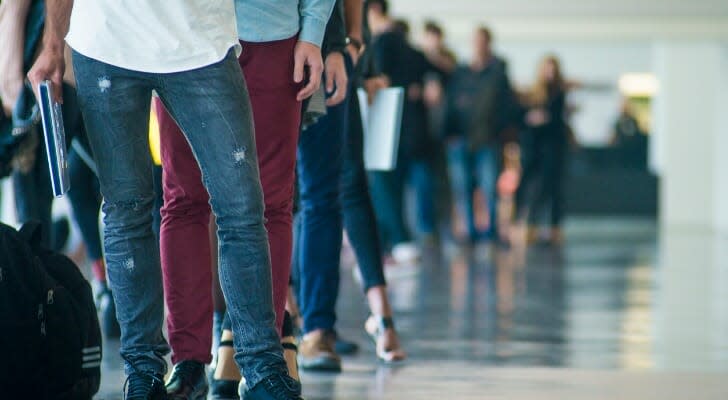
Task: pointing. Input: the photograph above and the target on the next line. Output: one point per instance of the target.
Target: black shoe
(144, 386)
(188, 381)
(275, 387)
(221, 389)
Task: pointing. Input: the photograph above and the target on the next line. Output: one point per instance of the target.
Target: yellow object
(154, 138)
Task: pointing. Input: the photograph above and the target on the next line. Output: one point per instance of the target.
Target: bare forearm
(50, 63)
(58, 18)
(353, 13)
(12, 37)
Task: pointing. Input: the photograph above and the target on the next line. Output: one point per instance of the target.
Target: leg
(461, 181)
(116, 118)
(486, 164)
(85, 202)
(360, 223)
(356, 205)
(184, 246)
(277, 115)
(319, 246)
(421, 177)
(211, 106)
(319, 239)
(387, 196)
(268, 68)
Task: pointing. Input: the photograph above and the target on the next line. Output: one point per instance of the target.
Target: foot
(345, 347)
(381, 330)
(405, 253)
(275, 387)
(188, 381)
(318, 353)
(223, 389)
(290, 354)
(144, 386)
(225, 380)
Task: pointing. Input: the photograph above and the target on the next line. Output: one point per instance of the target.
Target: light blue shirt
(269, 20)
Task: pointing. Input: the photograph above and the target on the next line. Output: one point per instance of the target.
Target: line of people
(256, 103)
(230, 150)
(458, 119)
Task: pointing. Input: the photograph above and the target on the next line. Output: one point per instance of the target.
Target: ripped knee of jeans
(141, 206)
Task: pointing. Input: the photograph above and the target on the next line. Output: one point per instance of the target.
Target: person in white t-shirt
(186, 51)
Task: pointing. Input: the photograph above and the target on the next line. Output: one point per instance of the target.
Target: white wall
(720, 178)
(691, 111)
(594, 63)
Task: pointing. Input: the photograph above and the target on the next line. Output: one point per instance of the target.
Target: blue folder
(55, 139)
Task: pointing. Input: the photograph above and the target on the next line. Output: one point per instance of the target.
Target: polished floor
(621, 312)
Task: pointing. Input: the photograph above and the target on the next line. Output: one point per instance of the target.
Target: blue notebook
(55, 139)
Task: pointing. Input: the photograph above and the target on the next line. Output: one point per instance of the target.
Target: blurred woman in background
(544, 148)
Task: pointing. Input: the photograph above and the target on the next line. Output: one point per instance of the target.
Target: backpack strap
(32, 232)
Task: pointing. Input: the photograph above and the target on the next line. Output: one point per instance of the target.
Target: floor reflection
(622, 311)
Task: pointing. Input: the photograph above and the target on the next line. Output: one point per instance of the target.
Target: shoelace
(283, 387)
(186, 371)
(139, 384)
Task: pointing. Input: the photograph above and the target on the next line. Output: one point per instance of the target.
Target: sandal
(376, 327)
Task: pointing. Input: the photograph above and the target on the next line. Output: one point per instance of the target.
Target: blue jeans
(211, 106)
(388, 195)
(356, 204)
(469, 169)
(319, 225)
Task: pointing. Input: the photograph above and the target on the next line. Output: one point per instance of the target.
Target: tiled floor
(622, 312)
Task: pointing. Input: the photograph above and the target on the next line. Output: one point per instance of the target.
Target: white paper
(382, 121)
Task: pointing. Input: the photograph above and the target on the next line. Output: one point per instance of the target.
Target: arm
(334, 65)
(13, 14)
(50, 64)
(353, 10)
(314, 16)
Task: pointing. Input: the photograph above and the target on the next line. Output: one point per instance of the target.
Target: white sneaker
(407, 252)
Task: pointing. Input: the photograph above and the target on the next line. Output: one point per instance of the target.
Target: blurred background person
(626, 127)
(435, 49)
(444, 60)
(405, 67)
(479, 109)
(545, 147)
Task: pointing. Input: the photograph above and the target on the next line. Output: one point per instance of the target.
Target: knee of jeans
(129, 215)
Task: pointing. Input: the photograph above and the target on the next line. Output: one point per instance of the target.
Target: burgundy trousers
(185, 245)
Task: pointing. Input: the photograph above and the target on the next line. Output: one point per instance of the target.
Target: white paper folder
(382, 121)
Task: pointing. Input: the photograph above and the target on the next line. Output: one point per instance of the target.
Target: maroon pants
(185, 245)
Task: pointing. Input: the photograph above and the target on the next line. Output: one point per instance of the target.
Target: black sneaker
(188, 381)
(144, 386)
(221, 389)
(275, 387)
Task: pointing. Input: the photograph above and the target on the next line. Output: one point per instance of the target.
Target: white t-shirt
(156, 36)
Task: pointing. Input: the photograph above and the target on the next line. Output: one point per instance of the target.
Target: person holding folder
(186, 51)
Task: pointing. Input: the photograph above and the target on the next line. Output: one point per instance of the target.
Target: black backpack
(50, 341)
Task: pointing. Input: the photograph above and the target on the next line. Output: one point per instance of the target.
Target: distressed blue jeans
(212, 108)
